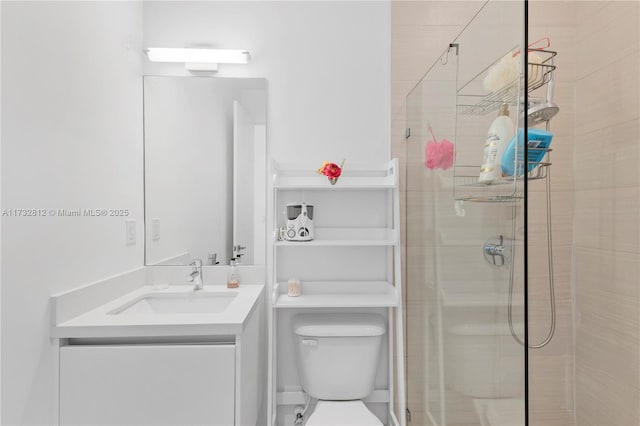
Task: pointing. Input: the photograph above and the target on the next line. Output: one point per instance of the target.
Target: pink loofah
(438, 155)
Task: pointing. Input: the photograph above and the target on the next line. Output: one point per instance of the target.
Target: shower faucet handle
(495, 253)
(496, 258)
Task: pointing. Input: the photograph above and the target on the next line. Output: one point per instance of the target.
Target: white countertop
(99, 322)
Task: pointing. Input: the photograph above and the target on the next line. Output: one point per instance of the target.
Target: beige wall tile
(607, 293)
(420, 219)
(545, 388)
(421, 270)
(562, 270)
(607, 337)
(552, 13)
(562, 217)
(606, 37)
(602, 401)
(608, 157)
(399, 91)
(607, 382)
(588, 8)
(608, 96)
(609, 219)
(428, 12)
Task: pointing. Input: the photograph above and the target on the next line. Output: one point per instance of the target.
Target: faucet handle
(196, 263)
(495, 252)
(196, 274)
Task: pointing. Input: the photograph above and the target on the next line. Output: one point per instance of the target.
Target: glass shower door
(465, 268)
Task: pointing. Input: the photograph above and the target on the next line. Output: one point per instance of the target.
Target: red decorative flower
(331, 171)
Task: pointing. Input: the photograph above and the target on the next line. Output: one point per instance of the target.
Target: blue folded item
(538, 142)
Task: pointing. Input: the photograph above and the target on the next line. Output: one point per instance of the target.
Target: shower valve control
(495, 251)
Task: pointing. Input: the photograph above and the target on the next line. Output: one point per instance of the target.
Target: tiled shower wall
(551, 367)
(595, 200)
(607, 213)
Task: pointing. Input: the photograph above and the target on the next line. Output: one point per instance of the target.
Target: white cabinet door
(147, 385)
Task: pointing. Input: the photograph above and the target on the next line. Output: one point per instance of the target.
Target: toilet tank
(338, 353)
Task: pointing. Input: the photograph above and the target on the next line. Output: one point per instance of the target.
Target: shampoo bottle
(498, 138)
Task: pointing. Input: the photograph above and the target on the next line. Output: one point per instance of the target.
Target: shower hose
(552, 300)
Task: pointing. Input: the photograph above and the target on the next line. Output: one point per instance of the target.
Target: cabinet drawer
(147, 385)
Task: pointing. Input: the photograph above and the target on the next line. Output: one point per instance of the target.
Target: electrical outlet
(131, 231)
(155, 229)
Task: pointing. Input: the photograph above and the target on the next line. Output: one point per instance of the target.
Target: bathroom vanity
(171, 356)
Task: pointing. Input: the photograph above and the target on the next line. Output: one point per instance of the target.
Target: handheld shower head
(540, 113)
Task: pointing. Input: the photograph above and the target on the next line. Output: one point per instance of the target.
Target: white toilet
(338, 359)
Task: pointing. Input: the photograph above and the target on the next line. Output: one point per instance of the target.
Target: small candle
(293, 288)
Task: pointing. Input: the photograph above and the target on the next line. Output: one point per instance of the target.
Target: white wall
(71, 109)
(0, 226)
(327, 66)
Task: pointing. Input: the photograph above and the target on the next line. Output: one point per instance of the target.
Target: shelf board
(321, 182)
(354, 176)
(347, 237)
(354, 294)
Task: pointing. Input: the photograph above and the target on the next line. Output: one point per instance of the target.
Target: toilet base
(342, 413)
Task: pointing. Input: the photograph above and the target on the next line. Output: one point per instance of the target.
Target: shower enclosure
(467, 242)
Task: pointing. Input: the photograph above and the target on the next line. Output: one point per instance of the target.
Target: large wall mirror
(204, 170)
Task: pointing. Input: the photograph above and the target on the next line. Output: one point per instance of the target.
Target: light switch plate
(131, 231)
(155, 229)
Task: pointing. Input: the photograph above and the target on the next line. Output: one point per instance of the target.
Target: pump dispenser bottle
(498, 137)
(233, 278)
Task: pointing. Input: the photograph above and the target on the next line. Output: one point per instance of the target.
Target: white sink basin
(177, 303)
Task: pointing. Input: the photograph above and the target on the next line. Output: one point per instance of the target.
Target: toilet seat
(342, 413)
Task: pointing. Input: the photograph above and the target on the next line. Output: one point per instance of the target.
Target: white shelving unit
(380, 294)
(353, 263)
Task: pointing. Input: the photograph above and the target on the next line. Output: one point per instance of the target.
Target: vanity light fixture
(198, 59)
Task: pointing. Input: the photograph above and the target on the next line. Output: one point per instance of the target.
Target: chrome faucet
(195, 276)
(495, 251)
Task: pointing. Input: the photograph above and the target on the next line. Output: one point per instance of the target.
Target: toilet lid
(342, 413)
